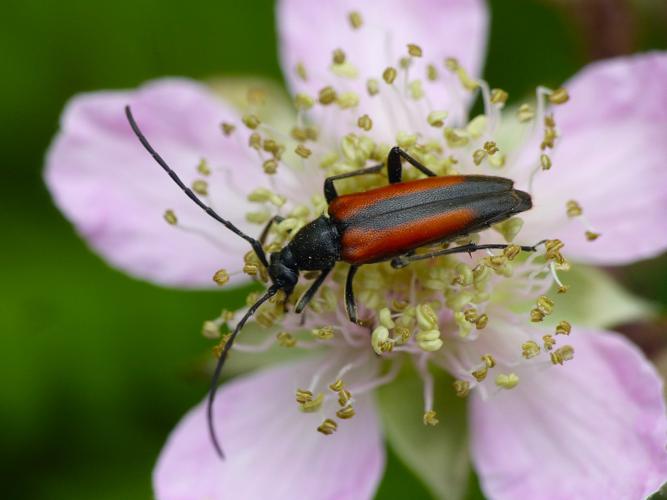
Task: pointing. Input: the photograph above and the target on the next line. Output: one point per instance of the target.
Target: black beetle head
(283, 270)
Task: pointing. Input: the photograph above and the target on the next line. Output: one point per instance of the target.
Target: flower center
(482, 317)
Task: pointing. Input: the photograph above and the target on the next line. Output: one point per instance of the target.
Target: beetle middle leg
(404, 260)
(350, 304)
(395, 167)
(330, 192)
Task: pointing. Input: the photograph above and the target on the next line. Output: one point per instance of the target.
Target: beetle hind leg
(350, 303)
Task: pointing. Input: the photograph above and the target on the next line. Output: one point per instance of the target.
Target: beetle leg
(395, 167)
(330, 192)
(350, 304)
(267, 228)
(404, 260)
(310, 293)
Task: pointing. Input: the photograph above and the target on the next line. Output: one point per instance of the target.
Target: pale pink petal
(311, 31)
(593, 428)
(273, 450)
(611, 159)
(116, 195)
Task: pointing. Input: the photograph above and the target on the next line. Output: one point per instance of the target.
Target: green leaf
(437, 455)
(596, 300)
(661, 494)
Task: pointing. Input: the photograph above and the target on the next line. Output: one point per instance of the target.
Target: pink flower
(592, 428)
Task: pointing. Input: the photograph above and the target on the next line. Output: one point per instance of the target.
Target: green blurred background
(95, 367)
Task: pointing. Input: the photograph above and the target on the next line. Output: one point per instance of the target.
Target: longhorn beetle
(386, 223)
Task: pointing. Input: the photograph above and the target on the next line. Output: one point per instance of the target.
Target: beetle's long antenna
(256, 246)
(221, 361)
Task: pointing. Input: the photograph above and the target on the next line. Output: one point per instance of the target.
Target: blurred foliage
(96, 367)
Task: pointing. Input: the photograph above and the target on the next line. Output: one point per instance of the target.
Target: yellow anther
(365, 123)
(549, 121)
(491, 147)
(414, 50)
(464, 275)
(549, 139)
(545, 304)
(402, 334)
(405, 140)
(217, 350)
(481, 373)
(170, 217)
(429, 340)
(251, 121)
(345, 412)
(348, 100)
(453, 65)
(200, 187)
(336, 386)
(470, 315)
(327, 427)
(259, 217)
(559, 96)
(455, 138)
(499, 96)
(210, 330)
(227, 128)
(507, 381)
(476, 126)
(312, 405)
(430, 418)
(478, 156)
(221, 277)
(573, 208)
(203, 168)
(562, 354)
(463, 324)
(591, 236)
(436, 118)
(300, 70)
(553, 248)
(489, 361)
(302, 151)
(303, 396)
(563, 328)
(461, 388)
(255, 141)
(344, 397)
(327, 95)
(511, 251)
(431, 73)
(385, 318)
(324, 333)
(530, 349)
(545, 161)
(372, 86)
(380, 340)
(481, 322)
(345, 70)
(355, 20)
(270, 167)
(548, 341)
(480, 273)
(525, 113)
(250, 269)
(285, 339)
(416, 89)
(536, 315)
(312, 133)
(404, 62)
(270, 146)
(303, 101)
(389, 75)
(338, 56)
(256, 96)
(426, 317)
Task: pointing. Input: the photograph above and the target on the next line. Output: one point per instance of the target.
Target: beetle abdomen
(392, 220)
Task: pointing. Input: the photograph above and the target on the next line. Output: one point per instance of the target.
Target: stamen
(324, 333)
(355, 20)
(250, 121)
(286, 339)
(327, 427)
(227, 128)
(461, 388)
(373, 87)
(563, 328)
(507, 381)
(200, 187)
(203, 168)
(559, 96)
(170, 217)
(530, 349)
(365, 123)
(302, 151)
(562, 354)
(345, 412)
(327, 95)
(389, 75)
(221, 277)
(437, 118)
(300, 70)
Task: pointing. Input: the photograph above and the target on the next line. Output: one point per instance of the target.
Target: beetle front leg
(310, 293)
(350, 304)
(404, 260)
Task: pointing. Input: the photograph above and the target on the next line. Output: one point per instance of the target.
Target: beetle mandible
(382, 224)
